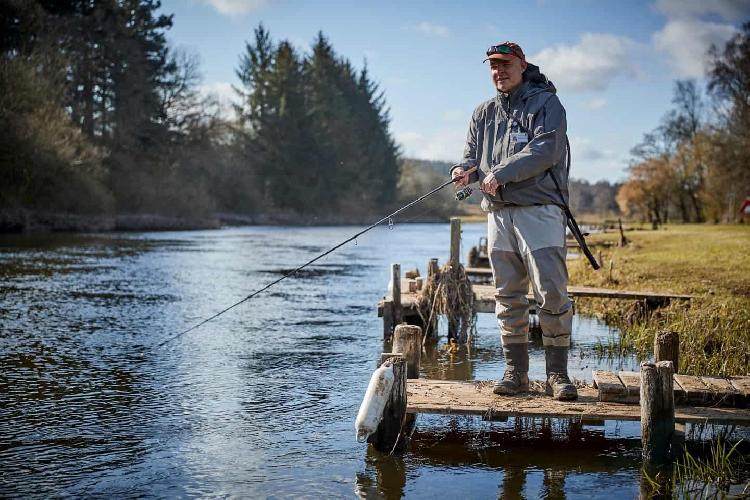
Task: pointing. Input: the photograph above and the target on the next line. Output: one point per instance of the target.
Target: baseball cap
(503, 49)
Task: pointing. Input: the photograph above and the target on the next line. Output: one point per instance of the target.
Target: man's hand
(459, 177)
(489, 185)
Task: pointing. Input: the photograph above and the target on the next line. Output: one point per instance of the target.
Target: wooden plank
(632, 383)
(722, 392)
(742, 386)
(476, 398)
(610, 387)
(696, 391)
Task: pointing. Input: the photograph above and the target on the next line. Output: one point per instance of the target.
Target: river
(261, 401)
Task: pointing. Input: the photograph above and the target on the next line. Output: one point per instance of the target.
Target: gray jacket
(522, 168)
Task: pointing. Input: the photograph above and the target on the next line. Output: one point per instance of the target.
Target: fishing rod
(460, 195)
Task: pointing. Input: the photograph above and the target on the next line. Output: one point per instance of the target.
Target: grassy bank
(710, 262)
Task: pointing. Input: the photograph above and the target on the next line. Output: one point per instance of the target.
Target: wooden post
(432, 268)
(657, 411)
(667, 348)
(396, 293)
(455, 242)
(389, 438)
(407, 340)
(433, 272)
(387, 319)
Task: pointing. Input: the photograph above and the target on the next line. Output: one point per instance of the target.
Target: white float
(371, 410)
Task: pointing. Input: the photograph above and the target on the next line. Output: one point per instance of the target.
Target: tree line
(694, 167)
(101, 115)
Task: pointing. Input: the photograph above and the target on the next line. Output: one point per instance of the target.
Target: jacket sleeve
(470, 150)
(543, 150)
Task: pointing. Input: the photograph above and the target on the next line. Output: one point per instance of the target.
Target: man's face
(507, 72)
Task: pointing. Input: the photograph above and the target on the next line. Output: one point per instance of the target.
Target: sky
(614, 63)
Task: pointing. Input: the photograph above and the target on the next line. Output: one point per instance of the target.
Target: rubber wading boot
(558, 384)
(516, 376)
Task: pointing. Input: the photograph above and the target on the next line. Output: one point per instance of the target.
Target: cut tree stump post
(396, 293)
(389, 438)
(667, 348)
(455, 242)
(657, 411)
(407, 340)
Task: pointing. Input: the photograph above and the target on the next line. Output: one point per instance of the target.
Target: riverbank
(43, 221)
(707, 261)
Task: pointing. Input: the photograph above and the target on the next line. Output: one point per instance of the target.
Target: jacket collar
(514, 97)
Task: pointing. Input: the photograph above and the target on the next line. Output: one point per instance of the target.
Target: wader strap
(572, 224)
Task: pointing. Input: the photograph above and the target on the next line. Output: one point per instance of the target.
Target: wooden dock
(658, 396)
(477, 398)
(484, 296)
(624, 387)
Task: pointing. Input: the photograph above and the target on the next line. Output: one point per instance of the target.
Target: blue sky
(614, 62)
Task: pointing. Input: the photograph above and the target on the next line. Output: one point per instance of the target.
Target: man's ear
(524, 65)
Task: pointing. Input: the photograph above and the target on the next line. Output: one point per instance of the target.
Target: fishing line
(388, 218)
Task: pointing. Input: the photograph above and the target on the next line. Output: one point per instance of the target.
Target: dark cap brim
(504, 57)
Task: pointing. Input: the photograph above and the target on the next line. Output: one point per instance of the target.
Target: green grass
(711, 262)
(701, 477)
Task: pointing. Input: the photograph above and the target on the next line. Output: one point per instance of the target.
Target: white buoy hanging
(377, 395)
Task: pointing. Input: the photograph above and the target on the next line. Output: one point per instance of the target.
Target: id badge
(519, 137)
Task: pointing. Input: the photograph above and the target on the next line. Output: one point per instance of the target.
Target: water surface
(261, 401)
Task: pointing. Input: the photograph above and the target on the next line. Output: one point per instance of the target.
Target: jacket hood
(538, 81)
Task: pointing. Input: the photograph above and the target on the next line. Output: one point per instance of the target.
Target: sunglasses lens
(499, 49)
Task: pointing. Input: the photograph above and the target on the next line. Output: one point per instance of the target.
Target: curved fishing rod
(295, 271)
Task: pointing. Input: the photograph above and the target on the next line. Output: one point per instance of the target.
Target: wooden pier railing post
(432, 268)
(387, 318)
(396, 293)
(455, 242)
(407, 340)
(389, 437)
(657, 411)
(667, 348)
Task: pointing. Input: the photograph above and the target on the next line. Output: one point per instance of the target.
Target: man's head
(507, 64)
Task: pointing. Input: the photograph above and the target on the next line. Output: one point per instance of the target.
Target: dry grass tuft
(449, 293)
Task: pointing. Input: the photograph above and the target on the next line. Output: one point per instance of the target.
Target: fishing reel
(464, 193)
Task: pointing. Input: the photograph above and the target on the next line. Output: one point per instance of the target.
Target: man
(519, 141)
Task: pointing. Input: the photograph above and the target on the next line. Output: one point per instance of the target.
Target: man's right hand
(459, 177)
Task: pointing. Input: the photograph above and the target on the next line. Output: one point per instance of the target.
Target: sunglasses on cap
(503, 49)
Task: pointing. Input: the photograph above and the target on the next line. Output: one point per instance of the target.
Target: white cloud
(591, 64)
(445, 144)
(596, 103)
(224, 95)
(234, 7)
(731, 10)
(685, 43)
(432, 29)
(583, 149)
(594, 162)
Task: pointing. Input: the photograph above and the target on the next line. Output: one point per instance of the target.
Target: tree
(729, 83)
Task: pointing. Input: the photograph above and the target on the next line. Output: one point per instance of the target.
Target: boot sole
(560, 397)
(502, 391)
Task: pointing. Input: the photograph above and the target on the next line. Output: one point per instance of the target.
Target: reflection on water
(261, 401)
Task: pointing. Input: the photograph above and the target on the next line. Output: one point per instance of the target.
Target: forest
(101, 116)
